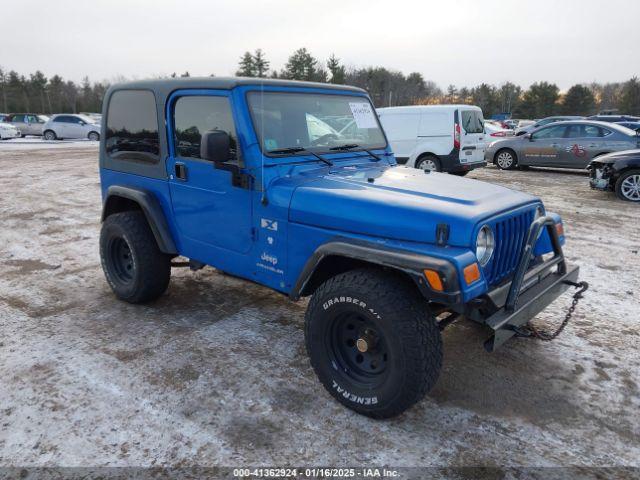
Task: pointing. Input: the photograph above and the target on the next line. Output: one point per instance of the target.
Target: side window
(132, 126)
(574, 131)
(194, 115)
(60, 119)
(18, 118)
(556, 131)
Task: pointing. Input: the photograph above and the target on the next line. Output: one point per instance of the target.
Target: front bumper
(600, 178)
(531, 290)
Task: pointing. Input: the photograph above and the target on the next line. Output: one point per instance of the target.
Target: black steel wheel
(358, 347)
(373, 342)
(120, 260)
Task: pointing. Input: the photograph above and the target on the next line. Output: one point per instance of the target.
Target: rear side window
(472, 121)
(132, 126)
(18, 118)
(591, 131)
(194, 115)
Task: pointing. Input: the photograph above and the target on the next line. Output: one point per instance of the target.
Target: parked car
(618, 172)
(562, 145)
(27, 123)
(384, 252)
(521, 130)
(444, 138)
(493, 131)
(8, 131)
(614, 118)
(3, 116)
(629, 124)
(71, 126)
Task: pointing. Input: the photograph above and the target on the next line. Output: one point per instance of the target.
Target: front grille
(510, 235)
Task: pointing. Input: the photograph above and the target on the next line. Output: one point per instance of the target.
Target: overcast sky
(461, 42)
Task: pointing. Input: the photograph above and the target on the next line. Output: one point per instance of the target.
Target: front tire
(93, 136)
(429, 162)
(506, 159)
(628, 186)
(50, 135)
(373, 342)
(135, 268)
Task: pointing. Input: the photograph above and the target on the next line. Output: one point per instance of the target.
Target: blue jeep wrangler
(293, 185)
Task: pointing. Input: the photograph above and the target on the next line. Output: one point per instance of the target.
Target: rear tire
(628, 186)
(506, 159)
(135, 268)
(429, 162)
(50, 135)
(373, 342)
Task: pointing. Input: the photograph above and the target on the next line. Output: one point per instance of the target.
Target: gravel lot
(215, 372)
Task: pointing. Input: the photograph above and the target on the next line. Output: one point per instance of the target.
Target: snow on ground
(215, 372)
(35, 143)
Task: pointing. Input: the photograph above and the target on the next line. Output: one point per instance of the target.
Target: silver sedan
(562, 145)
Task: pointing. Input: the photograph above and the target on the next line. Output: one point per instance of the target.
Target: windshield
(86, 119)
(314, 121)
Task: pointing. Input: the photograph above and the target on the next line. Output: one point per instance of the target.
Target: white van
(445, 138)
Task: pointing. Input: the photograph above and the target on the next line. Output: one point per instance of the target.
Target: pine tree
(578, 101)
(301, 66)
(260, 63)
(246, 66)
(337, 71)
(630, 97)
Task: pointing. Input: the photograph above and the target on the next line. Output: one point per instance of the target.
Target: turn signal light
(471, 273)
(560, 229)
(435, 282)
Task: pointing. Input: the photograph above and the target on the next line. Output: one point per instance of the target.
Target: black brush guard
(530, 291)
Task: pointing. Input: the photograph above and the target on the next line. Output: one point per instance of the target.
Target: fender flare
(152, 211)
(411, 263)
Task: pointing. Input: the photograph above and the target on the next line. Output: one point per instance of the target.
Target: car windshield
(86, 119)
(315, 122)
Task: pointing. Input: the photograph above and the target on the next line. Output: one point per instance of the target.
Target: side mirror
(215, 146)
(528, 136)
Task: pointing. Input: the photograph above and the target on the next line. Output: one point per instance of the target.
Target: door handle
(181, 171)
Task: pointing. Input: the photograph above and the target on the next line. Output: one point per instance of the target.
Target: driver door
(545, 147)
(209, 211)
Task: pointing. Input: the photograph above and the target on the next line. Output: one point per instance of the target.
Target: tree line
(387, 87)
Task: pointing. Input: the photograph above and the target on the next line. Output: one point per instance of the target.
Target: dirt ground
(215, 372)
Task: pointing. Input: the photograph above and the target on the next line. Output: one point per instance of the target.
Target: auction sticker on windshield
(363, 115)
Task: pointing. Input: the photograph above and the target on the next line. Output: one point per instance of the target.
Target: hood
(617, 156)
(400, 203)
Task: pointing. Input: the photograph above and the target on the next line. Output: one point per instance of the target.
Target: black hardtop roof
(167, 85)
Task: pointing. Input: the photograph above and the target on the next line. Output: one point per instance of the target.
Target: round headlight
(485, 244)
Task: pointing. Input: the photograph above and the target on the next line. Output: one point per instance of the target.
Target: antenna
(264, 199)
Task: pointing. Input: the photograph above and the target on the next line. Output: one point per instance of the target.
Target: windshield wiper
(351, 146)
(284, 151)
